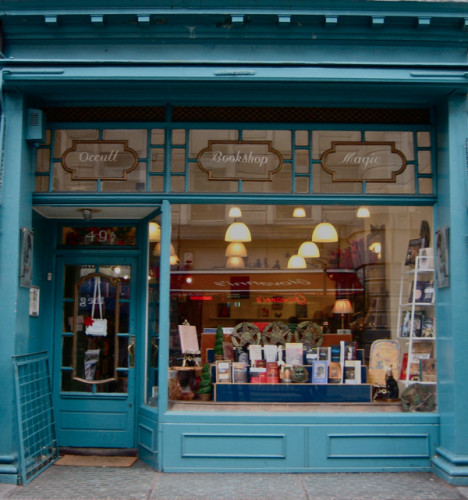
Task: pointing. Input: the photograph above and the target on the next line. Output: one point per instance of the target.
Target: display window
(323, 304)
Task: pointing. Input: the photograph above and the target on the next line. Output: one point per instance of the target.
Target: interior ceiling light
(157, 250)
(154, 232)
(238, 231)
(362, 212)
(325, 233)
(235, 262)
(236, 249)
(296, 262)
(308, 250)
(235, 212)
(87, 213)
(299, 212)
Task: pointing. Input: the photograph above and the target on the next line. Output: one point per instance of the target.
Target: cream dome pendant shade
(362, 212)
(235, 212)
(235, 263)
(238, 231)
(299, 212)
(325, 233)
(296, 262)
(154, 232)
(308, 250)
(236, 249)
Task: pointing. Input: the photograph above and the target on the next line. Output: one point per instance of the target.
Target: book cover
(255, 353)
(294, 353)
(319, 372)
(239, 373)
(311, 355)
(348, 351)
(352, 371)
(428, 372)
(324, 353)
(335, 353)
(228, 351)
(428, 327)
(335, 373)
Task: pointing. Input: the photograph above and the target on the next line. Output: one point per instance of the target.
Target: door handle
(131, 351)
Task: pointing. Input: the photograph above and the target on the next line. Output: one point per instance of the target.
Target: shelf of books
(294, 372)
(416, 321)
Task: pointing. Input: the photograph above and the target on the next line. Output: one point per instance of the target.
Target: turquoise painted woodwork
(314, 53)
(88, 417)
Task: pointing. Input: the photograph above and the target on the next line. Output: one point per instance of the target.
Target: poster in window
(442, 257)
(26, 264)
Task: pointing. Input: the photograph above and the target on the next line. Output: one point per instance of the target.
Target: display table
(293, 393)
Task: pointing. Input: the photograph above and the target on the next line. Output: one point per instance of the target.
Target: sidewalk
(142, 483)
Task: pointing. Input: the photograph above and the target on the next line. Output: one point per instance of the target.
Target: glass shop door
(94, 360)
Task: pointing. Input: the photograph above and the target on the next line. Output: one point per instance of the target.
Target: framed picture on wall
(26, 257)
(442, 257)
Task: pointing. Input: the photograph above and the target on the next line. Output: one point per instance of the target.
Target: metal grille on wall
(240, 114)
(36, 426)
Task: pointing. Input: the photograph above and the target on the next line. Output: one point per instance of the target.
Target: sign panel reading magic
(94, 160)
(363, 161)
(240, 160)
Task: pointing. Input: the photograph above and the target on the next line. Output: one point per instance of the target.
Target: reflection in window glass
(254, 292)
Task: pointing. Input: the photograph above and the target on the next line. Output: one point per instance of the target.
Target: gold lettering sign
(363, 161)
(94, 160)
(240, 160)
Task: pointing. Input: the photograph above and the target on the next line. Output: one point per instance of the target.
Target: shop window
(273, 316)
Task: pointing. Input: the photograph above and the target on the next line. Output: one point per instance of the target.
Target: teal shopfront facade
(129, 133)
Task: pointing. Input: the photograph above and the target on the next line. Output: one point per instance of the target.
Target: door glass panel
(96, 360)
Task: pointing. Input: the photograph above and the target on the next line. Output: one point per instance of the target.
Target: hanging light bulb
(173, 260)
(235, 212)
(238, 231)
(154, 232)
(299, 212)
(236, 249)
(235, 262)
(362, 212)
(308, 250)
(325, 233)
(296, 262)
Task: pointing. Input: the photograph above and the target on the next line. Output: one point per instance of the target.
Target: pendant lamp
(235, 262)
(308, 250)
(362, 212)
(238, 231)
(325, 233)
(154, 232)
(236, 249)
(296, 262)
(235, 212)
(299, 212)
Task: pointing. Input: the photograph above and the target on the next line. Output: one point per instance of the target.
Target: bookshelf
(416, 322)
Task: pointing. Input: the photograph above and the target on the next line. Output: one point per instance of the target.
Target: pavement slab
(140, 482)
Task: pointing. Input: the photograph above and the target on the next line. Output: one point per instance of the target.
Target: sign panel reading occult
(93, 160)
(240, 160)
(363, 161)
